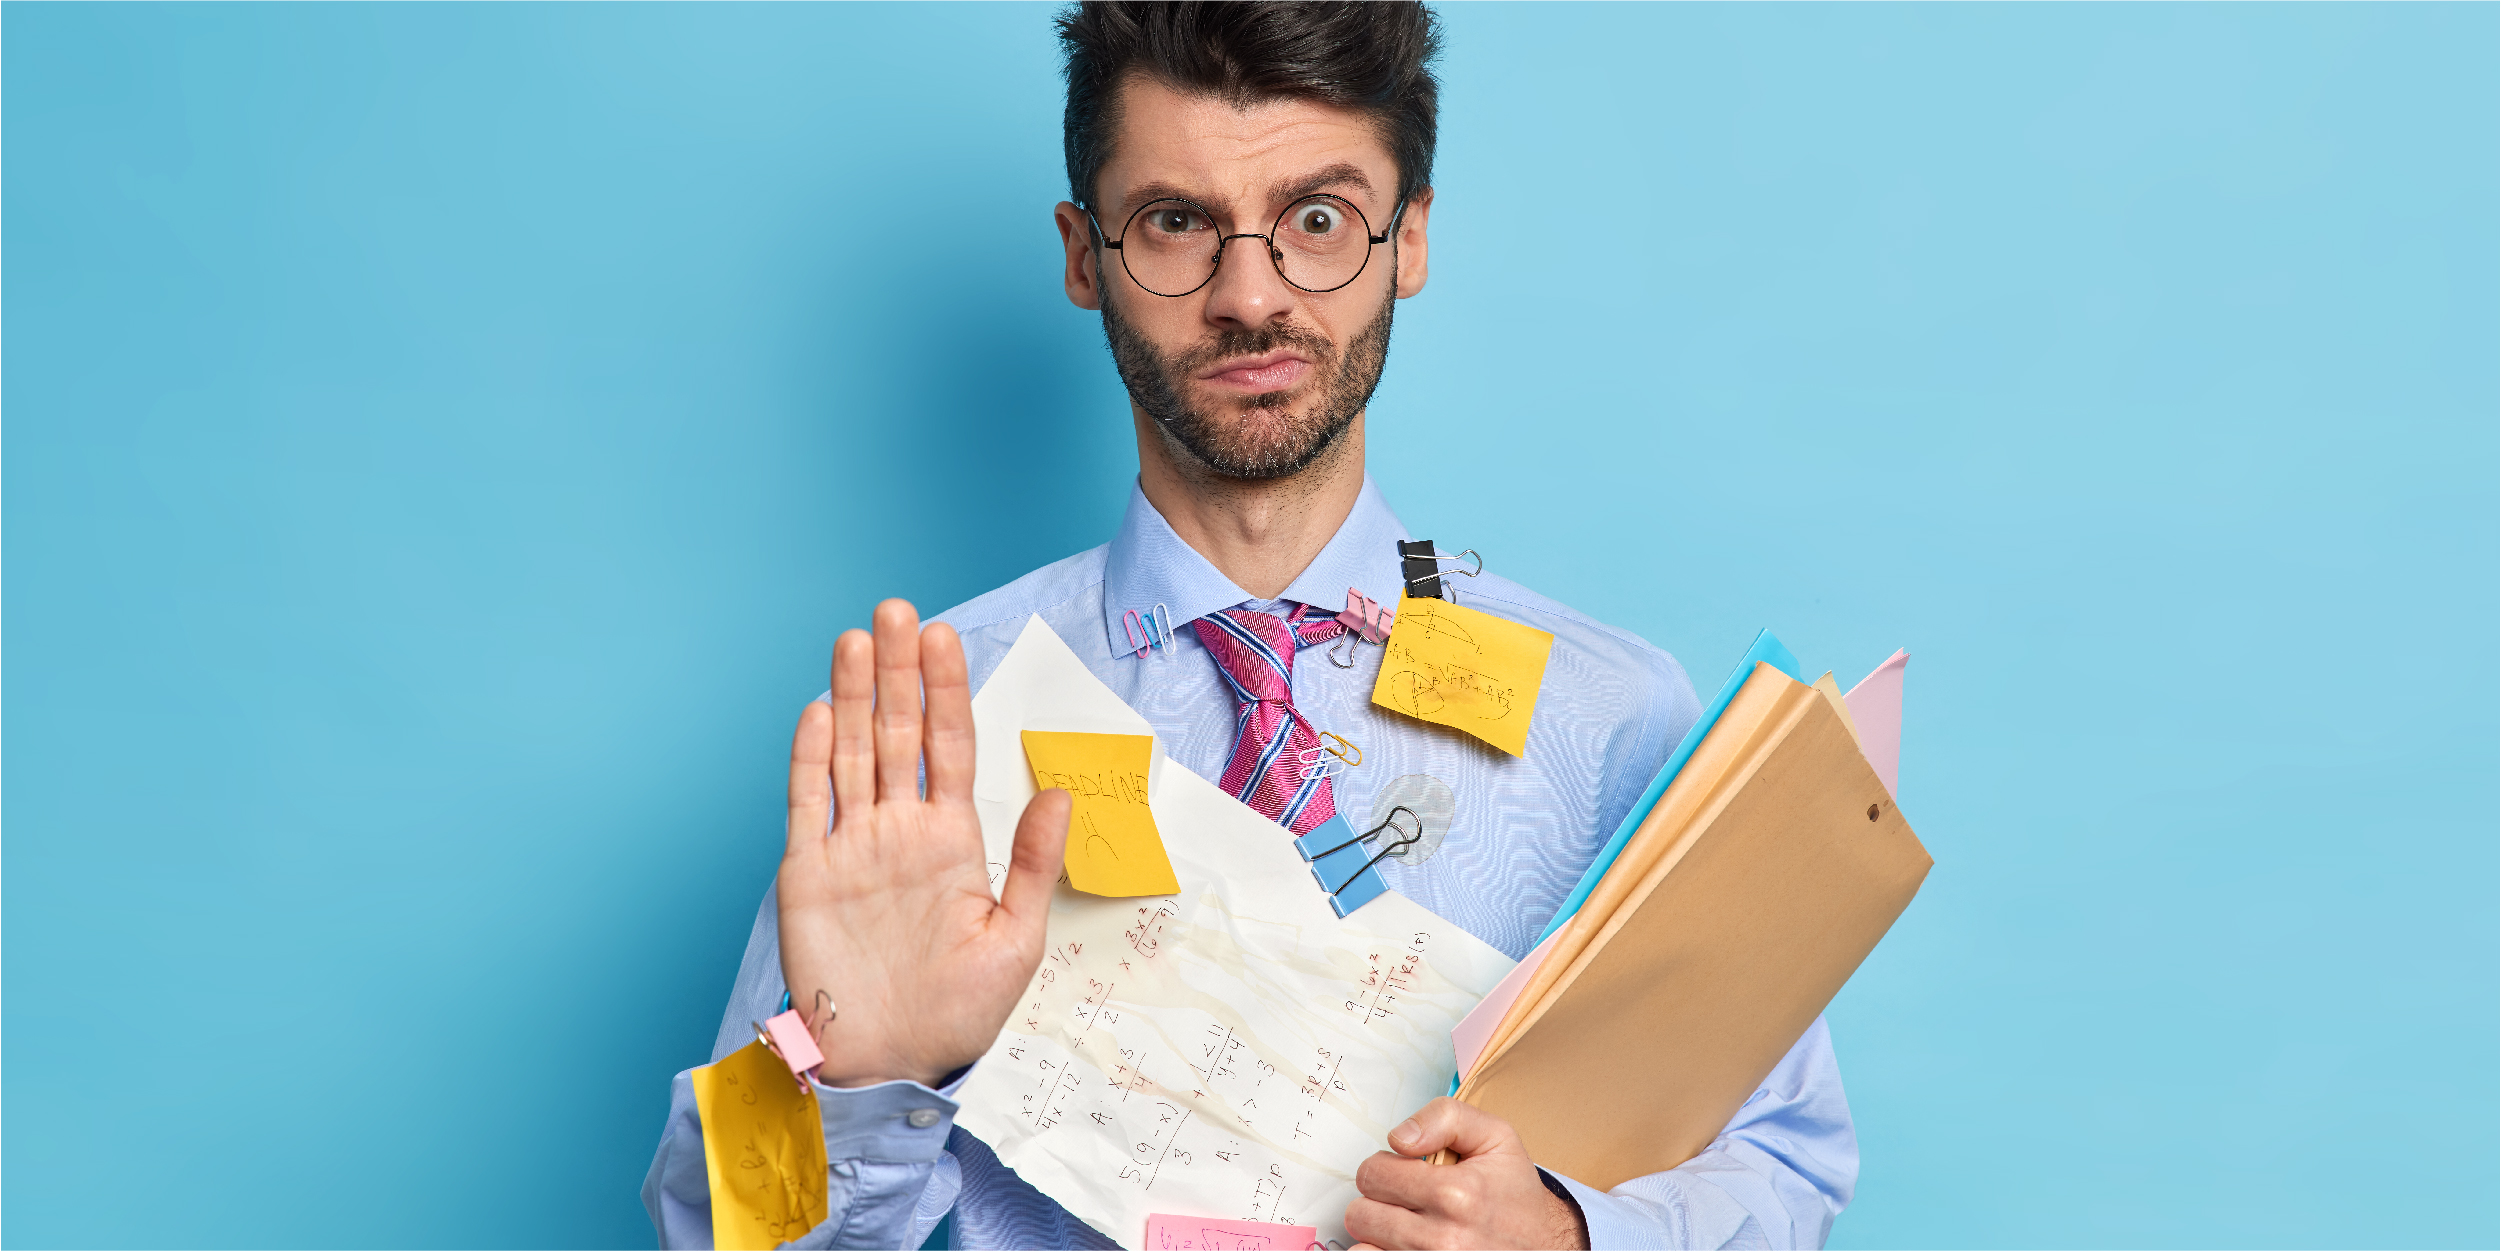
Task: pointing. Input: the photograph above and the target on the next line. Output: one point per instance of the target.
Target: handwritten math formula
(1220, 1050)
(1153, 1057)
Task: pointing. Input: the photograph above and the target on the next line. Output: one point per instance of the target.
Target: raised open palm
(887, 916)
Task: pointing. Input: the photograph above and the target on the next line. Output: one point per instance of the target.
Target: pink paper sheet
(1206, 1233)
(1876, 709)
(1469, 1036)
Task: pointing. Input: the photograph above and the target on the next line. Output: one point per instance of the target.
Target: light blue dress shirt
(1514, 836)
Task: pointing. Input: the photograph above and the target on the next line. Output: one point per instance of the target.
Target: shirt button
(921, 1118)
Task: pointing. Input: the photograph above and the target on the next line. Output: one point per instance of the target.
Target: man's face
(1254, 377)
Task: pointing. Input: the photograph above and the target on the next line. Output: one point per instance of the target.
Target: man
(1251, 191)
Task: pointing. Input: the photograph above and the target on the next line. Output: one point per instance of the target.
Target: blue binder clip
(1338, 864)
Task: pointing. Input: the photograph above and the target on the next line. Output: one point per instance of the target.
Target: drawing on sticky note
(1113, 846)
(763, 1149)
(1200, 1233)
(1466, 669)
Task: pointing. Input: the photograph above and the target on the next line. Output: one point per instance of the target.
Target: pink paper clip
(787, 1036)
(1129, 619)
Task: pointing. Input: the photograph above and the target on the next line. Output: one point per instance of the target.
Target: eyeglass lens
(1172, 247)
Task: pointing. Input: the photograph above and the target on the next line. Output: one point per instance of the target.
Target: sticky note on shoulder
(763, 1150)
(1113, 847)
(1469, 670)
(1205, 1233)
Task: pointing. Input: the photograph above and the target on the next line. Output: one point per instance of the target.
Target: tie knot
(1255, 650)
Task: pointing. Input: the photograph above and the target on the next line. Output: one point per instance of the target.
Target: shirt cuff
(1610, 1226)
(902, 1121)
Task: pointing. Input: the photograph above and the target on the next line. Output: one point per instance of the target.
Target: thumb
(1041, 846)
(1446, 1124)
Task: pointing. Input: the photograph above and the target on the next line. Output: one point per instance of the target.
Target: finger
(1411, 1184)
(811, 792)
(898, 700)
(949, 732)
(854, 700)
(1387, 1225)
(1041, 846)
(1446, 1123)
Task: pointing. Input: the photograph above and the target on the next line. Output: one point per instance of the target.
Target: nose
(1247, 291)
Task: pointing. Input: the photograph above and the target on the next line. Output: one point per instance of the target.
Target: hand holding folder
(1771, 863)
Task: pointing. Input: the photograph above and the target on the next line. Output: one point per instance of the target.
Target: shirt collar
(1148, 564)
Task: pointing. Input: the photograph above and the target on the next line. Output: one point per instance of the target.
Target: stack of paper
(1709, 935)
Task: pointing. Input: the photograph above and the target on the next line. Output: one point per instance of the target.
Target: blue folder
(1765, 649)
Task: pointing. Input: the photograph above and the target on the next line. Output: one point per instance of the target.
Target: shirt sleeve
(1775, 1177)
(888, 1175)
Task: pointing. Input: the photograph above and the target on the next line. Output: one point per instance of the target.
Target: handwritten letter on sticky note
(1202, 1233)
(763, 1149)
(1469, 670)
(1113, 849)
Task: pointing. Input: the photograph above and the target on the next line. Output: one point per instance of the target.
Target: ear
(1411, 246)
(1076, 236)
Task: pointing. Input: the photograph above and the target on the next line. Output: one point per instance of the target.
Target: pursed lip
(1273, 371)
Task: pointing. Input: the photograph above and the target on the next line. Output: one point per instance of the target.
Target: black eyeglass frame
(1276, 255)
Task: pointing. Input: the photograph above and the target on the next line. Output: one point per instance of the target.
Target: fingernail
(1406, 1131)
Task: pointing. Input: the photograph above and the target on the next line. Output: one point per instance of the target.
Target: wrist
(849, 1080)
(851, 1063)
(1571, 1225)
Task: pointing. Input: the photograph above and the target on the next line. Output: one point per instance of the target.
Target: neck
(1260, 534)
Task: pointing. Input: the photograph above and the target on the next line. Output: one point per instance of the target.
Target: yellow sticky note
(1113, 848)
(763, 1150)
(1469, 670)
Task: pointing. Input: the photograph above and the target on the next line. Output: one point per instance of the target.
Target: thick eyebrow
(1322, 179)
(1281, 193)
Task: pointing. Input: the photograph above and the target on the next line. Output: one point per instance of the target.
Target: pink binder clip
(1366, 618)
(787, 1036)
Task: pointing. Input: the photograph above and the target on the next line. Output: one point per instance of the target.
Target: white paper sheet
(1233, 1051)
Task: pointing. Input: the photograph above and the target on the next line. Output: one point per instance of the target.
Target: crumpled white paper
(1233, 1051)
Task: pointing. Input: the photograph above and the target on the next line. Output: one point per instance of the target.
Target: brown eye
(1315, 219)
(1174, 219)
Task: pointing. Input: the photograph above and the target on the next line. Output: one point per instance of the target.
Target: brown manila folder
(1765, 873)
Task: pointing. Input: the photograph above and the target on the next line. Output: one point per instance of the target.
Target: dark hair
(1373, 56)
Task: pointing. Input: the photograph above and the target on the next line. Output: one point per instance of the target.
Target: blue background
(443, 442)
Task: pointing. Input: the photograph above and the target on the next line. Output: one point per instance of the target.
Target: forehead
(1171, 142)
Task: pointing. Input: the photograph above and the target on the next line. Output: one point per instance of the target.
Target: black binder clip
(1335, 853)
(1422, 569)
(1422, 573)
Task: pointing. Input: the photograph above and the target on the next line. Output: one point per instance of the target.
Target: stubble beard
(1258, 438)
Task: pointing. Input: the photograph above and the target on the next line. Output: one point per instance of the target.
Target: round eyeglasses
(1173, 246)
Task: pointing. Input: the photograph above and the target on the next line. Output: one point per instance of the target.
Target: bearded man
(1250, 193)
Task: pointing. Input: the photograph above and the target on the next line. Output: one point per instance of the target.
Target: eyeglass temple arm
(1099, 237)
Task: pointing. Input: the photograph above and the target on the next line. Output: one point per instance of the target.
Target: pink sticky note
(1876, 709)
(1469, 1037)
(1205, 1233)
(790, 1035)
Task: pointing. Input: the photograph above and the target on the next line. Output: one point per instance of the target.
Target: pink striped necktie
(1276, 754)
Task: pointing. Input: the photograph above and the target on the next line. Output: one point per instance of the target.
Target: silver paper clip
(1442, 580)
